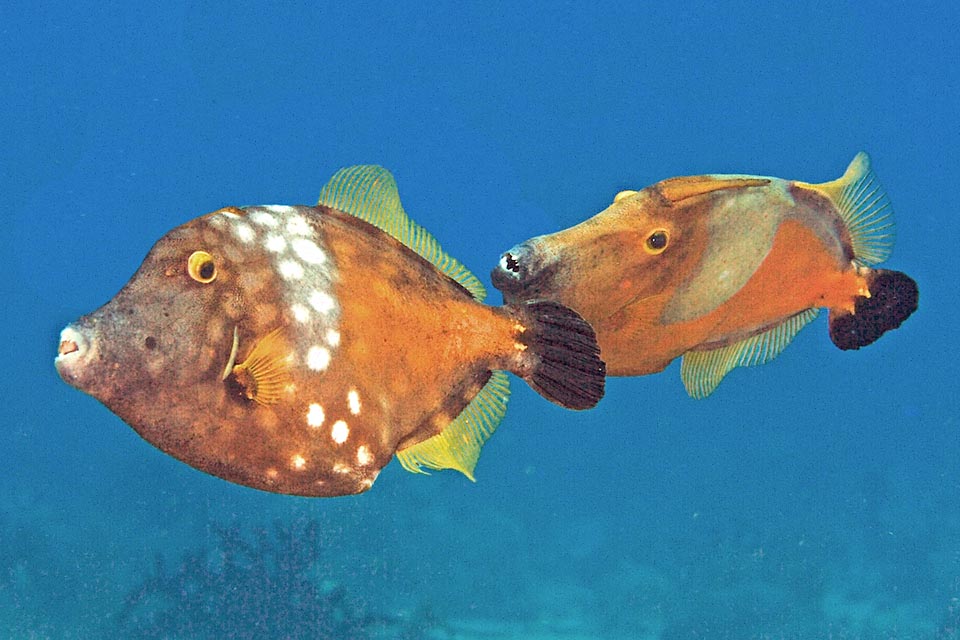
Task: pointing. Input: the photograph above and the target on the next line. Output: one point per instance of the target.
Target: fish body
(722, 270)
(296, 349)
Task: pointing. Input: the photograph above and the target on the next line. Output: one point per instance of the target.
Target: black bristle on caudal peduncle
(567, 367)
(893, 298)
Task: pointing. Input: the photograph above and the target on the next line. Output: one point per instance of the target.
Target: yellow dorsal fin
(677, 189)
(458, 445)
(863, 206)
(702, 371)
(370, 193)
(266, 371)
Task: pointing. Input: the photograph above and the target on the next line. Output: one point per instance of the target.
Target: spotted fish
(296, 349)
(723, 270)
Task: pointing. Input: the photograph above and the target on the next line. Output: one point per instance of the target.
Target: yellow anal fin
(266, 370)
(370, 193)
(678, 189)
(458, 445)
(702, 371)
(864, 208)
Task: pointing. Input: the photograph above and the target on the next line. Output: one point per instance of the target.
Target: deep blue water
(817, 496)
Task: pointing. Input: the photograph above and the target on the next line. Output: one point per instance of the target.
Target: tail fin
(562, 359)
(893, 297)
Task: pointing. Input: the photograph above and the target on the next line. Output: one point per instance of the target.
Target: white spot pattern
(279, 209)
(318, 358)
(300, 312)
(340, 432)
(288, 237)
(244, 231)
(353, 402)
(291, 270)
(364, 457)
(308, 250)
(298, 225)
(322, 301)
(275, 243)
(315, 415)
(264, 219)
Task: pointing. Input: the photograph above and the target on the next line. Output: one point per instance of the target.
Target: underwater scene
(395, 386)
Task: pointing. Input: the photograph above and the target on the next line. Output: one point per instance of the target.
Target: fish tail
(893, 297)
(560, 355)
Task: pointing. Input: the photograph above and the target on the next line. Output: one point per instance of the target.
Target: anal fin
(458, 445)
(702, 371)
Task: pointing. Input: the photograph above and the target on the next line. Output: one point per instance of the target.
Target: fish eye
(201, 267)
(624, 194)
(656, 242)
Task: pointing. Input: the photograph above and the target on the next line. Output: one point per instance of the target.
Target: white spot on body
(263, 218)
(244, 231)
(318, 358)
(300, 312)
(298, 225)
(308, 250)
(333, 337)
(340, 432)
(275, 243)
(339, 467)
(364, 457)
(298, 462)
(279, 209)
(322, 301)
(230, 214)
(315, 415)
(353, 401)
(291, 270)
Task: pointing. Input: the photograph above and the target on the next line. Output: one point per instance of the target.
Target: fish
(298, 349)
(721, 271)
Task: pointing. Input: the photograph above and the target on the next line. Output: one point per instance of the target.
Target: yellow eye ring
(656, 242)
(201, 267)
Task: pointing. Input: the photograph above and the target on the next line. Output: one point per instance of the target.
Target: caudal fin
(562, 359)
(893, 297)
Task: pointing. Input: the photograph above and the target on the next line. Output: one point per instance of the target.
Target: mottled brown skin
(795, 254)
(412, 343)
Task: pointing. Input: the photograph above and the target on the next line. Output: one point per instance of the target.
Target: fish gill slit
(233, 354)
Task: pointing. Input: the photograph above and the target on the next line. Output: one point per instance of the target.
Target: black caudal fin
(893, 297)
(562, 359)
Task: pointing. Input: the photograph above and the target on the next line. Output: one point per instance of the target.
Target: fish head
(163, 353)
(623, 255)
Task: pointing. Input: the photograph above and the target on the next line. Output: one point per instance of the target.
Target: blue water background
(817, 496)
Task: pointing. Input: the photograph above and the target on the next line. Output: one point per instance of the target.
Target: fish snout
(73, 354)
(520, 271)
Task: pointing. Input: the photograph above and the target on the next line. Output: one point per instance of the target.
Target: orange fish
(296, 349)
(723, 270)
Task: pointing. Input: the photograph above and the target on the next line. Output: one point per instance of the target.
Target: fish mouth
(523, 273)
(509, 274)
(72, 353)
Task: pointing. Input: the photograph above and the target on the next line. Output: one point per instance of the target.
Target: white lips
(72, 345)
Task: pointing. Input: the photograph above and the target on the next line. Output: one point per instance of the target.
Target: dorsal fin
(863, 206)
(370, 193)
(702, 371)
(677, 189)
(458, 445)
